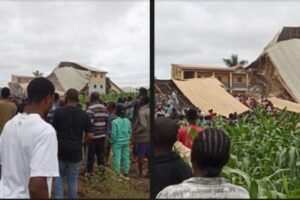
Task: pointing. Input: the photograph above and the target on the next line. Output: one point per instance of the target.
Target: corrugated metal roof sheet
(207, 68)
(274, 40)
(285, 56)
(281, 104)
(67, 64)
(72, 78)
(91, 68)
(209, 93)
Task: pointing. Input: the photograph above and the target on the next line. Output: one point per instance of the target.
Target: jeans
(95, 147)
(69, 170)
(121, 153)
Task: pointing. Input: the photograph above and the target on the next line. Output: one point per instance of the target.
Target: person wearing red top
(211, 113)
(184, 134)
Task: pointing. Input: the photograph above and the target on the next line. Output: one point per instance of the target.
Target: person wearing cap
(120, 137)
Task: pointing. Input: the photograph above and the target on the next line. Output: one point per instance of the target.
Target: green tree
(234, 61)
(37, 73)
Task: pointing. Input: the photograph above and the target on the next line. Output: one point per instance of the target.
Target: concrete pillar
(247, 81)
(230, 81)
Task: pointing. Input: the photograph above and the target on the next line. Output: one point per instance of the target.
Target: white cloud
(204, 32)
(110, 35)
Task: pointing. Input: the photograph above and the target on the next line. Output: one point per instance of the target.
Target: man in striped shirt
(98, 115)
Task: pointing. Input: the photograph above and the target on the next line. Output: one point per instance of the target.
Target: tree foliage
(234, 61)
(37, 73)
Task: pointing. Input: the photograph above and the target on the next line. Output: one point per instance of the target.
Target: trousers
(95, 148)
(121, 155)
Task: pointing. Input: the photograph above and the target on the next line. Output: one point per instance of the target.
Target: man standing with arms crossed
(28, 147)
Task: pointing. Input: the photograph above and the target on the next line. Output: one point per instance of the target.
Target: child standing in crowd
(120, 136)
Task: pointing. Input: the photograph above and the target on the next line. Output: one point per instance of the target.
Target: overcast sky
(109, 35)
(204, 32)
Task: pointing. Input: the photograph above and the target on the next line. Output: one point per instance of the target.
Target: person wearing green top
(120, 136)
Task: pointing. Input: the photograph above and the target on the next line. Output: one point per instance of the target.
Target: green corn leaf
(276, 172)
(244, 175)
(285, 184)
(295, 194)
(292, 156)
(253, 190)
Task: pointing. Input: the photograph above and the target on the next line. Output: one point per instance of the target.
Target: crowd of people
(168, 106)
(45, 137)
(209, 148)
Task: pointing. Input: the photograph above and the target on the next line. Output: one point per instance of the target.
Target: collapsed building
(276, 71)
(68, 75)
(203, 94)
(274, 74)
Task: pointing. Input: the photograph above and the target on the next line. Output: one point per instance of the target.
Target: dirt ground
(112, 186)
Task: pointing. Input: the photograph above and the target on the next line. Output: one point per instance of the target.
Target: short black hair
(5, 92)
(112, 105)
(120, 100)
(95, 96)
(145, 100)
(210, 151)
(120, 112)
(165, 132)
(56, 96)
(143, 91)
(72, 94)
(38, 89)
(191, 115)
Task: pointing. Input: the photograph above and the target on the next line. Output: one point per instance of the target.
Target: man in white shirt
(28, 147)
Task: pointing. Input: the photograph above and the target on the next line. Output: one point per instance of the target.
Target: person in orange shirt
(185, 134)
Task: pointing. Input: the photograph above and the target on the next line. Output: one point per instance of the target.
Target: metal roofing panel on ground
(209, 93)
(281, 104)
(72, 78)
(285, 56)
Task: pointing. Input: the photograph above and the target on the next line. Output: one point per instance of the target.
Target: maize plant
(265, 154)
